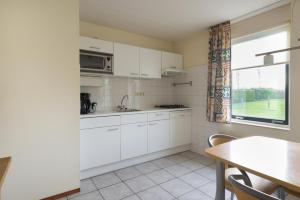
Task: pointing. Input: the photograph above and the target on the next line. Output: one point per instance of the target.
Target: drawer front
(181, 113)
(95, 122)
(158, 116)
(135, 118)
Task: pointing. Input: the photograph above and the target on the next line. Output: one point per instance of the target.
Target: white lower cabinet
(99, 146)
(133, 140)
(109, 139)
(158, 135)
(180, 128)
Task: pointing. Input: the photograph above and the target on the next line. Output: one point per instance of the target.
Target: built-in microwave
(95, 63)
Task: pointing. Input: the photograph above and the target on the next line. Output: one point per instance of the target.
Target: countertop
(145, 110)
(4, 164)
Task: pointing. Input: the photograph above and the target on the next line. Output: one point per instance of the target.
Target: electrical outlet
(140, 94)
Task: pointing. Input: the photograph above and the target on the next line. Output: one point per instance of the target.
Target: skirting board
(133, 161)
(61, 195)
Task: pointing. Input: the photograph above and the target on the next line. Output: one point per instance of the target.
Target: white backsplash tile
(142, 93)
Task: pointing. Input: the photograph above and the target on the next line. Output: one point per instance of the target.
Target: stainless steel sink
(127, 110)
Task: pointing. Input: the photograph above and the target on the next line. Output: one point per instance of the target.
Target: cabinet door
(150, 63)
(172, 60)
(95, 145)
(126, 60)
(92, 44)
(187, 127)
(158, 135)
(180, 128)
(133, 140)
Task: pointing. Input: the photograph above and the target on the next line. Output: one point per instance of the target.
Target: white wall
(39, 108)
(194, 49)
(155, 91)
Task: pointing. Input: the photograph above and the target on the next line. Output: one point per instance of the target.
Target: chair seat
(258, 183)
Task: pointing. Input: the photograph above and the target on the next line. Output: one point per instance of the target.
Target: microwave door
(91, 62)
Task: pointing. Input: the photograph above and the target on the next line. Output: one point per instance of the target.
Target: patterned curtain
(219, 74)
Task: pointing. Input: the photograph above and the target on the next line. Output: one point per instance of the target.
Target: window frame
(287, 76)
(265, 120)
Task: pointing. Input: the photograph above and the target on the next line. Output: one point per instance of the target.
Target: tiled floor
(184, 176)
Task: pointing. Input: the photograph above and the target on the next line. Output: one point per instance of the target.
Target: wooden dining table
(4, 164)
(273, 159)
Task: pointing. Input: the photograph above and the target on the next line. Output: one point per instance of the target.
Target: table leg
(220, 173)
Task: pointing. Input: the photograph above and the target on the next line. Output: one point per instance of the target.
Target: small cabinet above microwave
(96, 45)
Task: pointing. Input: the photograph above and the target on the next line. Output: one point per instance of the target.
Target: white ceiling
(166, 19)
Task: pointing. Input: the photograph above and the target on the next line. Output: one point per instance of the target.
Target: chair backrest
(244, 192)
(217, 139)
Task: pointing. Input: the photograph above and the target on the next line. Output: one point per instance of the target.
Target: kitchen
(130, 112)
(122, 100)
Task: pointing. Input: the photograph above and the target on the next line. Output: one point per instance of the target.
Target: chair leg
(232, 196)
(281, 193)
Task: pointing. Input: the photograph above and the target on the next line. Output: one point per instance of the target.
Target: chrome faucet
(122, 107)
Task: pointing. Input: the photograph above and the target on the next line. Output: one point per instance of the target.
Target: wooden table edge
(4, 163)
(279, 182)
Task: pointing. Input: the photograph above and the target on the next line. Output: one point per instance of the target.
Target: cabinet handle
(93, 47)
(152, 124)
(112, 129)
(145, 75)
(141, 125)
(133, 73)
(159, 114)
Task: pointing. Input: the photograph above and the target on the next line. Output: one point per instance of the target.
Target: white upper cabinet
(126, 60)
(133, 61)
(150, 63)
(92, 44)
(172, 60)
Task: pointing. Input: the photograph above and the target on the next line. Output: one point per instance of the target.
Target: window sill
(261, 124)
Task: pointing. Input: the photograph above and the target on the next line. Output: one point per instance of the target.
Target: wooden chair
(245, 192)
(252, 180)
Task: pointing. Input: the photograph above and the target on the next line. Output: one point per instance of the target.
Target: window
(259, 92)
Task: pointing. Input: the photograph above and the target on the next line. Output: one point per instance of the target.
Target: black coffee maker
(86, 106)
